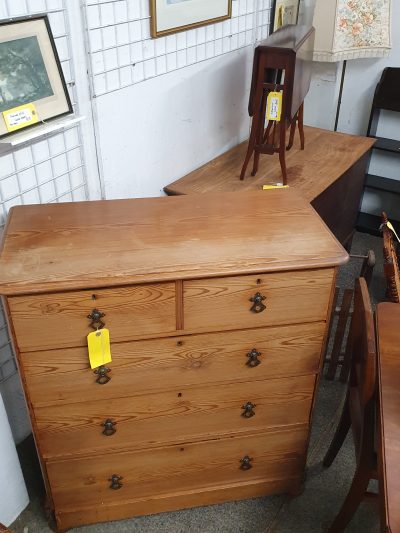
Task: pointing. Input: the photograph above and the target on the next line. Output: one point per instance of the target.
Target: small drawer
(193, 414)
(141, 367)
(254, 301)
(61, 320)
(102, 480)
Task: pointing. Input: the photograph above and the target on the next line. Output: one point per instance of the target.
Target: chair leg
(353, 499)
(340, 435)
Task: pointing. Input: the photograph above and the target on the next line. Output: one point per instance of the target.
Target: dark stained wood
(54, 247)
(282, 63)
(391, 263)
(359, 408)
(339, 333)
(388, 339)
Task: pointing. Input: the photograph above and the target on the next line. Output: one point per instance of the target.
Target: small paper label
(274, 106)
(99, 347)
(277, 186)
(20, 117)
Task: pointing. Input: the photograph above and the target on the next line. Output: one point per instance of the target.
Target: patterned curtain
(352, 29)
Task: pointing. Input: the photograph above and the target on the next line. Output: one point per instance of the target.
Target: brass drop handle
(253, 358)
(258, 305)
(95, 317)
(109, 428)
(115, 482)
(248, 410)
(102, 372)
(245, 463)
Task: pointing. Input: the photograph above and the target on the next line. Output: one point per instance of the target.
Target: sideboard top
(107, 243)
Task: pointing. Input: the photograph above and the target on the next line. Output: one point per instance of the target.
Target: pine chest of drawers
(217, 308)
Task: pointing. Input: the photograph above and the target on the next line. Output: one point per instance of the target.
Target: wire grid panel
(48, 170)
(123, 53)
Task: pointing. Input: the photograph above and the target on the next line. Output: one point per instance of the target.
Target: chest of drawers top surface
(69, 246)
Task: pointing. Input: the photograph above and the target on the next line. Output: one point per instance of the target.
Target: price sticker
(99, 347)
(274, 106)
(20, 117)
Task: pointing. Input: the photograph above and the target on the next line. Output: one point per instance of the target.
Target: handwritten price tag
(20, 117)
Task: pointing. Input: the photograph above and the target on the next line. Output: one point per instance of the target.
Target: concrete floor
(311, 512)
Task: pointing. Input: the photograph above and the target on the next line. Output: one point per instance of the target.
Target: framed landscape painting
(170, 16)
(31, 79)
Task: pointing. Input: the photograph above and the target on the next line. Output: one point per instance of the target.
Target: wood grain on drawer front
(170, 417)
(60, 320)
(224, 303)
(140, 367)
(175, 469)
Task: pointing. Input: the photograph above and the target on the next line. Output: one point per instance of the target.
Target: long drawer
(140, 367)
(169, 417)
(237, 302)
(176, 469)
(61, 320)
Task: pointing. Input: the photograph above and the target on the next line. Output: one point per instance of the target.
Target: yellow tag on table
(99, 347)
(274, 106)
(269, 187)
(20, 117)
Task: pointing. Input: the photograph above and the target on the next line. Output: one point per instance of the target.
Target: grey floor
(311, 512)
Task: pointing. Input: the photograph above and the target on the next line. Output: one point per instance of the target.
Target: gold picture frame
(172, 16)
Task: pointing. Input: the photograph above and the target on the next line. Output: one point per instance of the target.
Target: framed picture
(170, 16)
(284, 12)
(31, 79)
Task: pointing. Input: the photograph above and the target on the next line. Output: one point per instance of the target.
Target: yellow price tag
(269, 187)
(99, 347)
(20, 117)
(274, 106)
(390, 226)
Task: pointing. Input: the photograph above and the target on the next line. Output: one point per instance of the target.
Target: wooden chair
(390, 263)
(359, 408)
(340, 353)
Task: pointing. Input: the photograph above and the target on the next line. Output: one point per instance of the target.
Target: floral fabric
(361, 29)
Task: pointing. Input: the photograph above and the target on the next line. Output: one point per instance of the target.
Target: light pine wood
(225, 302)
(174, 277)
(174, 500)
(53, 247)
(64, 376)
(388, 340)
(181, 468)
(61, 320)
(326, 156)
(190, 415)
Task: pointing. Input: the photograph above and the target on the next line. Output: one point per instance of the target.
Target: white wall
(165, 106)
(173, 124)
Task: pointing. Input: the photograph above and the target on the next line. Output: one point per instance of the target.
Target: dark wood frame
(68, 102)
